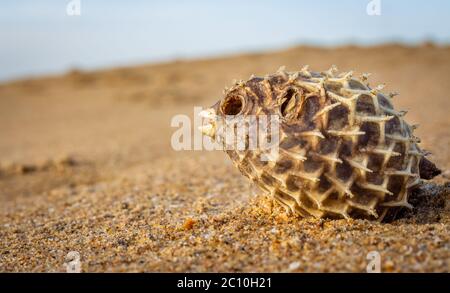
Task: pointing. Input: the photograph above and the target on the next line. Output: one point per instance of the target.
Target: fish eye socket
(289, 103)
(232, 105)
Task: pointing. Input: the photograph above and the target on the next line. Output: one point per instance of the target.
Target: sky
(41, 37)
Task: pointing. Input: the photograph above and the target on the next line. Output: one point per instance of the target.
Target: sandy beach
(86, 165)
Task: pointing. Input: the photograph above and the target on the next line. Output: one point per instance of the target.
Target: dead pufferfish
(344, 151)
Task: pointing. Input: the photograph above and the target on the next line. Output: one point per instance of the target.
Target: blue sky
(38, 37)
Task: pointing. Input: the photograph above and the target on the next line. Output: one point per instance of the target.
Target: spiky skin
(344, 151)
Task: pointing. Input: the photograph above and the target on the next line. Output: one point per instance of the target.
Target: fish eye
(232, 105)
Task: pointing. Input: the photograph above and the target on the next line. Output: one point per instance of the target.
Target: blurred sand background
(87, 166)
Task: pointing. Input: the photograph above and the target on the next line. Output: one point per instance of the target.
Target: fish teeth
(208, 114)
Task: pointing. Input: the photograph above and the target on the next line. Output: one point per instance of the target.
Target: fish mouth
(208, 128)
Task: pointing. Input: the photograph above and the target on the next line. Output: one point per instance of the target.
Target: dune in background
(86, 165)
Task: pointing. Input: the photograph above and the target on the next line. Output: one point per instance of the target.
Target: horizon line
(229, 54)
